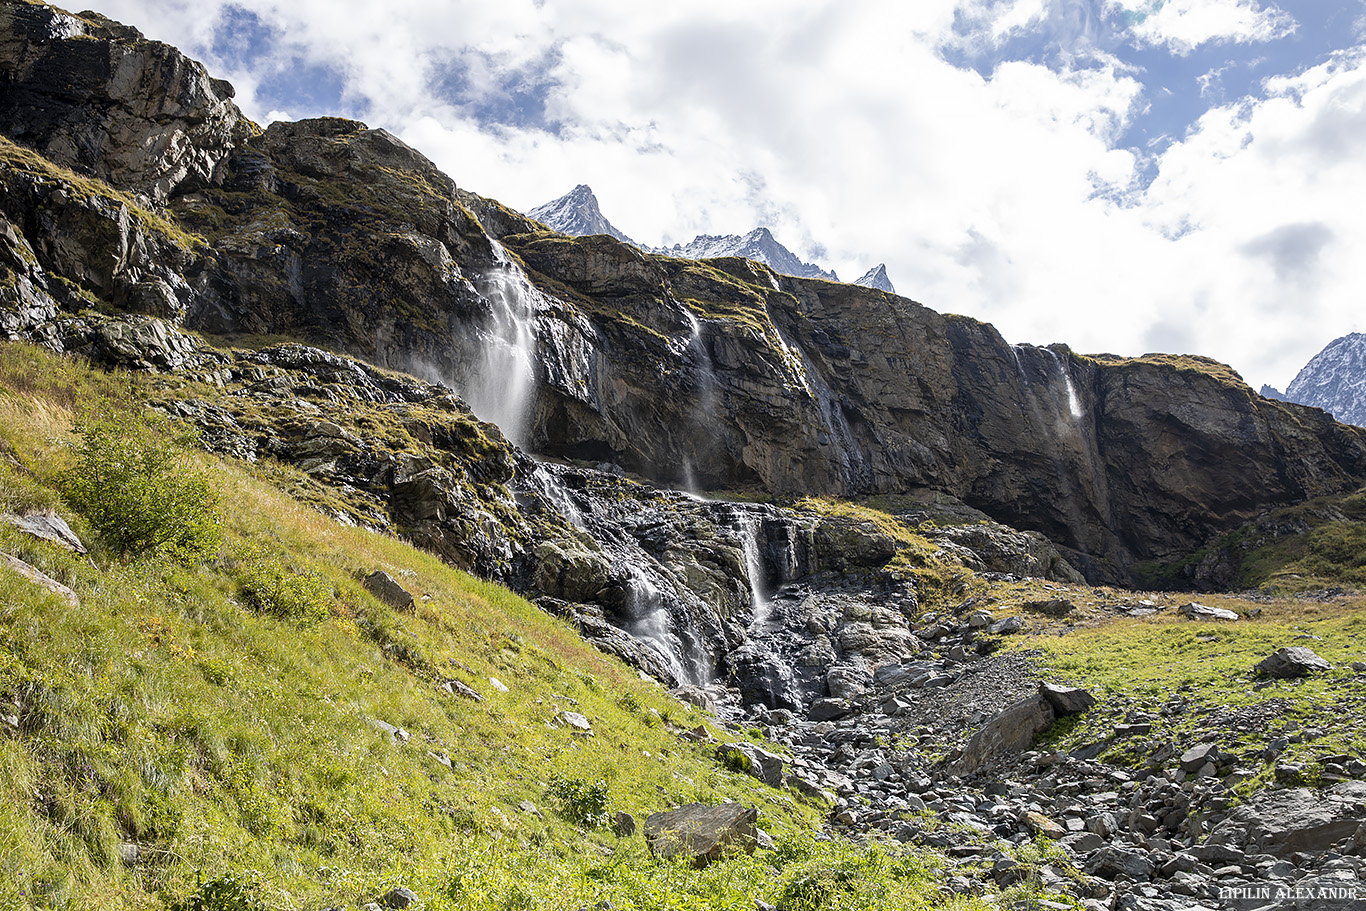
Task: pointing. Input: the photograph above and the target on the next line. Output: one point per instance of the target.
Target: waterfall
(649, 621)
(553, 490)
(753, 544)
(500, 389)
(1073, 403)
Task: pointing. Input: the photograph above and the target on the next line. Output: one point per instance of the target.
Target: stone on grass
(702, 833)
(1067, 700)
(754, 761)
(577, 724)
(40, 579)
(1196, 611)
(623, 824)
(1296, 661)
(386, 588)
(49, 527)
(1006, 627)
(400, 897)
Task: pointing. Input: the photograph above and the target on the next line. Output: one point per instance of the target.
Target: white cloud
(1184, 25)
(843, 128)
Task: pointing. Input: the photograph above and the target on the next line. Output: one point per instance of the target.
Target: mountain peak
(1335, 380)
(577, 213)
(877, 278)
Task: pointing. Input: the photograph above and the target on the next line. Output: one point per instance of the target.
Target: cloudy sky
(1121, 175)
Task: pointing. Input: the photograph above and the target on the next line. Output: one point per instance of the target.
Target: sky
(1123, 176)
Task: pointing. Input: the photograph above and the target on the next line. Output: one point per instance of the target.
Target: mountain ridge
(1334, 380)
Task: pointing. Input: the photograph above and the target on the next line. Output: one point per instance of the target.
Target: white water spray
(650, 622)
(751, 533)
(1073, 403)
(500, 390)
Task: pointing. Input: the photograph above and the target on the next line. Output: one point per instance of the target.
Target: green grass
(1137, 665)
(178, 736)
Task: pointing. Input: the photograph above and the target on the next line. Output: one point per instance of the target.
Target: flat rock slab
(1296, 661)
(1197, 611)
(702, 833)
(40, 579)
(49, 527)
(1284, 822)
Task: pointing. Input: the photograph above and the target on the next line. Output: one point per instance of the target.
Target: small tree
(135, 486)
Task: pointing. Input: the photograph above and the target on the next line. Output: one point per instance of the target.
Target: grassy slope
(165, 714)
(1137, 667)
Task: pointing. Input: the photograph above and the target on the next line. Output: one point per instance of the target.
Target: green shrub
(135, 486)
(227, 892)
(581, 802)
(269, 586)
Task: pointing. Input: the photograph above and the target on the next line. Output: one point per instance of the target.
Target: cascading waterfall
(751, 535)
(500, 390)
(649, 621)
(1073, 403)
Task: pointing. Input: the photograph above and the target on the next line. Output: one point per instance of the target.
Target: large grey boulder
(1009, 732)
(1197, 611)
(701, 833)
(1296, 661)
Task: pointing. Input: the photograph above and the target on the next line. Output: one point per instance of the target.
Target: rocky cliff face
(716, 374)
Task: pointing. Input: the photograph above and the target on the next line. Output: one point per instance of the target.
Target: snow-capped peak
(1335, 380)
(576, 213)
(877, 278)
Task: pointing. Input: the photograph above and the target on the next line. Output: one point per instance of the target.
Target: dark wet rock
(828, 709)
(701, 833)
(1296, 661)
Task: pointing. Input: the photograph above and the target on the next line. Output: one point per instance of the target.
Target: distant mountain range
(577, 214)
(1334, 380)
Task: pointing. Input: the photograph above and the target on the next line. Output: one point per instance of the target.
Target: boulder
(1197, 611)
(623, 824)
(578, 724)
(828, 709)
(400, 897)
(386, 588)
(1195, 758)
(1067, 700)
(1296, 661)
(1011, 731)
(753, 760)
(1006, 626)
(702, 833)
(1284, 822)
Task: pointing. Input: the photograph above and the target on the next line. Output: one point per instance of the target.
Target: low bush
(134, 484)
